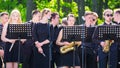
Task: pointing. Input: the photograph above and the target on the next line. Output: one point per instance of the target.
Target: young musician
(11, 57)
(28, 45)
(116, 20)
(66, 60)
(3, 19)
(41, 35)
(64, 21)
(109, 57)
(54, 32)
(90, 60)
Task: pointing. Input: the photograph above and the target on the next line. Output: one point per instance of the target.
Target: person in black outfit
(66, 60)
(28, 45)
(11, 56)
(3, 19)
(90, 56)
(54, 32)
(116, 20)
(41, 36)
(106, 59)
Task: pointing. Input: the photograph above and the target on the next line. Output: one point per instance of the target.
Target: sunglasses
(94, 19)
(109, 15)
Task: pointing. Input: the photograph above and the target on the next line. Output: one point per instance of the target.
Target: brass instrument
(66, 48)
(107, 45)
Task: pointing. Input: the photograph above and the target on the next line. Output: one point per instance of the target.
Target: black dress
(12, 56)
(41, 33)
(67, 58)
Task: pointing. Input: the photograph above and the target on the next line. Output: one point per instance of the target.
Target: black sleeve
(95, 37)
(34, 32)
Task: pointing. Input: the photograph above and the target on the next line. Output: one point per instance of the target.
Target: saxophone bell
(108, 43)
(67, 48)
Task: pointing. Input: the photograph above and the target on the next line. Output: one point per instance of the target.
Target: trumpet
(108, 43)
(70, 47)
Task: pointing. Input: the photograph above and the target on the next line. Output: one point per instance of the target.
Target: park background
(63, 7)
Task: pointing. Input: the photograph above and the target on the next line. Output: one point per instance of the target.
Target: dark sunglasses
(108, 15)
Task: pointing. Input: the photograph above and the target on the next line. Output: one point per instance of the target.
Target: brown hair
(64, 21)
(45, 11)
(53, 15)
(35, 12)
(3, 13)
(117, 11)
(70, 15)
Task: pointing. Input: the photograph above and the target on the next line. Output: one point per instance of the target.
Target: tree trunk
(30, 7)
(94, 5)
(19, 1)
(100, 7)
(106, 4)
(81, 10)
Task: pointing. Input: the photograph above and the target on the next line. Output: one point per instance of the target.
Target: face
(108, 16)
(56, 20)
(48, 15)
(37, 16)
(116, 16)
(89, 19)
(4, 18)
(15, 17)
(71, 21)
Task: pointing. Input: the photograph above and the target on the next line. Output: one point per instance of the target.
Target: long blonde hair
(19, 17)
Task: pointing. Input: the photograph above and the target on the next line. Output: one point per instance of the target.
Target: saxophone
(108, 43)
(70, 47)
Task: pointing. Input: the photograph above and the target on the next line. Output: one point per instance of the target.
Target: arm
(4, 33)
(96, 40)
(58, 41)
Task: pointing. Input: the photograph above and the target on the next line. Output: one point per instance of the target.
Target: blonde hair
(95, 14)
(19, 17)
(117, 10)
(107, 10)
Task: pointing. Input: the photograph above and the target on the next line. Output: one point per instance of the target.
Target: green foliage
(22, 10)
(69, 7)
(66, 7)
(8, 5)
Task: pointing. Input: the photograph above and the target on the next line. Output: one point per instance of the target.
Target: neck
(34, 20)
(108, 22)
(87, 24)
(44, 20)
(3, 23)
(117, 20)
(53, 24)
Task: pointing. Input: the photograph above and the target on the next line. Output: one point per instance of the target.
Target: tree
(81, 11)
(30, 8)
(95, 5)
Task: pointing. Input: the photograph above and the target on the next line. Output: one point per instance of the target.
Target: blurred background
(63, 7)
